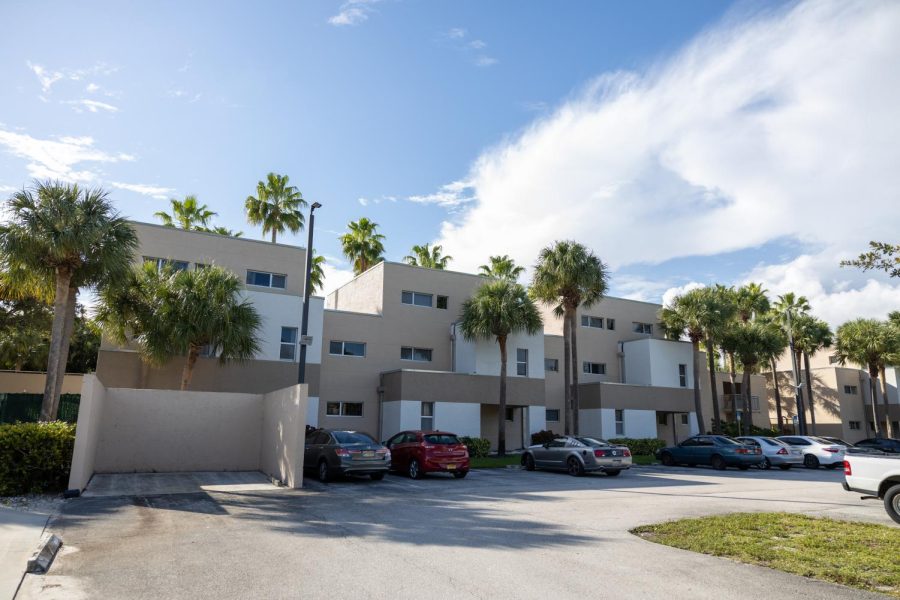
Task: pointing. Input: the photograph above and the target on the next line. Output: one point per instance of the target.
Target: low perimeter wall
(124, 430)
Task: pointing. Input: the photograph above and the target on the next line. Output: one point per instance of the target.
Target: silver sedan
(777, 453)
(577, 455)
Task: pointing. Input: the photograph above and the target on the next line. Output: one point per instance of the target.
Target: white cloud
(485, 61)
(154, 191)
(783, 126)
(363, 201)
(45, 77)
(8, 189)
(670, 294)
(451, 196)
(93, 106)
(335, 276)
(477, 45)
(457, 33)
(58, 158)
(353, 12)
(48, 77)
(91, 88)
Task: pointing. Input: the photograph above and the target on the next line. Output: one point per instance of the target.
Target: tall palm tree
(501, 267)
(788, 307)
(499, 309)
(719, 312)
(751, 300)
(867, 342)
(756, 340)
(771, 358)
(812, 335)
(171, 313)
(277, 206)
(363, 245)
(187, 214)
(317, 273)
(428, 257)
(568, 275)
(72, 237)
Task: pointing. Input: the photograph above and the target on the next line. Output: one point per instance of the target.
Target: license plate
(617, 460)
(451, 467)
(368, 453)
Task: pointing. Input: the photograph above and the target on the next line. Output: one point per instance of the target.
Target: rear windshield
(726, 440)
(441, 438)
(352, 437)
(592, 441)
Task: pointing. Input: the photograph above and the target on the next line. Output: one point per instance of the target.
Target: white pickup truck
(876, 476)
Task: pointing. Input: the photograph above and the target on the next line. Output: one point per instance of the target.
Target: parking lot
(503, 533)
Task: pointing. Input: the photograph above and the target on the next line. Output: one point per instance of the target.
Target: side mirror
(546, 444)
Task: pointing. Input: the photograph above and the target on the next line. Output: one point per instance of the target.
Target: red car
(420, 452)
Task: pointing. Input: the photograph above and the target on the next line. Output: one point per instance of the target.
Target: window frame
(292, 345)
(341, 411)
(413, 296)
(429, 417)
(555, 363)
(161, 263)
(619, 416)
(445, 300)
(851, 390)
(587, 367)
(412, 354)
(548, 411)
(682, 375)
(591, 322)
(343, 352)
(521, 365)
(271, 285)
(610, 324)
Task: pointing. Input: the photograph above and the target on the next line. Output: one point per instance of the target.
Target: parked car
(776, 452)
(877, 476)
(816, 451)
(834, 440)
(419, 452)
(332, 453)
(577, 456)
(717, 450)
(886, 445)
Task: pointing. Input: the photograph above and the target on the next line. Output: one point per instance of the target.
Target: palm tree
(498, 309)
(501, 267)
(362, 245)
(567, 276)
(277, 206)
(869, 343)
(778, 349)
(812, 335)
(317, 273)
(170, 313)
(187, 214)
(788, 308)
(74, 238)
(750, 300)
(430, 258)
(24, 325)
(219, 230)
(755, 341)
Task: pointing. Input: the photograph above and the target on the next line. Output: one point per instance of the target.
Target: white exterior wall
(601, 422)
(655, 362)
(312, 411)
(282, 310)
(399, 415)
(487, 355)
(463, 352)
(692, 423)
(461, 418)
(639, 424)
(537, 419)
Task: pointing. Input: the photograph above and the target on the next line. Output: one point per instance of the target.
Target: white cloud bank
(780, 126)
(353, 12)
(61, 158)
(154, 191)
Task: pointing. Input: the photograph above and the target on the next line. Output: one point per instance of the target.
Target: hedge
(640, 446)
(478, 447)
(543, 437)
(35, 457)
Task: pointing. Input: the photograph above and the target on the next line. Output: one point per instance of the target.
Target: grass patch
(495, 462)
(859, 555)
(644, 460)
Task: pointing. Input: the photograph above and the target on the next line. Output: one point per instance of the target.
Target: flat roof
(215, 235)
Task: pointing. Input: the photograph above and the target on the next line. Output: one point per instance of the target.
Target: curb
(43, 556)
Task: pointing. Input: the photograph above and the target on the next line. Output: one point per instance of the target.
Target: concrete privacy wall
(129, 430)
(32, 382)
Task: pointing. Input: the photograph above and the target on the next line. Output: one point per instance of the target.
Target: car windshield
(441, 438)
(726, 440)
(352, 437)
(592, 441)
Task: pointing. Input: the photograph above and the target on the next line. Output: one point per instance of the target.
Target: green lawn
(859, 555)
(495, 462)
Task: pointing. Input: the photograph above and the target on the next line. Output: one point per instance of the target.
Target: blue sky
(437, 119)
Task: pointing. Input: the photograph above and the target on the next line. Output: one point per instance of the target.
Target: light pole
(304, 322)
(801, 416)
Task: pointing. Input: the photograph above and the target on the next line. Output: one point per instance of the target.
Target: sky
(686, 143)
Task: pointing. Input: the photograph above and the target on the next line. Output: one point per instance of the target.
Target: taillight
(757, 451)
(342, 452)
(599, 453)
(832, 450)
(627, 452)
(782, 451)
(743, 451)
(847, 469)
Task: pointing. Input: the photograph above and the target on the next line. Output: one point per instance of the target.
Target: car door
(395, 446)
(704, 450)
(551, 454)
(685, 451)
(313, 449)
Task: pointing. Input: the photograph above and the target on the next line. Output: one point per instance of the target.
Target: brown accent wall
(640, 397)
(434, 386)
(31, 382)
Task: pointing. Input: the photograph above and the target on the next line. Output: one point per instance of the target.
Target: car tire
(613, 472)
(667, 459)
(528, 461)
(766, 464)
(718, 463)
(784, 467)
(414, 471)
(692, 465)
(810, 462)
(744, 467)
(574, 467)
(892, 502)
(460, 474)
(323, 471)
(376, 476)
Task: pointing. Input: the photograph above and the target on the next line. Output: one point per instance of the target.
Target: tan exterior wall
(283, 439)
(90, 421)
(30, 382)
(364, 293)
(514, 433)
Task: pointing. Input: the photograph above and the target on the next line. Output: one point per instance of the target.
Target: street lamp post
(801, 413)
(304, 322)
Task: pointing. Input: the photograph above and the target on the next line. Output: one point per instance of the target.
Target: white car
(875, 475)
(816, 451)
(777, 453)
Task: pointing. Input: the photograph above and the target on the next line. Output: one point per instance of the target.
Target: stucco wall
(31, 382)
(461, 418)
(283, 435)
(90, 423)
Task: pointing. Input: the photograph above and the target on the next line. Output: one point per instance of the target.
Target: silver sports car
(577, 455)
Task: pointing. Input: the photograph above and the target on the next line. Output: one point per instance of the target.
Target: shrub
(543, 437)
(640, 446)
(35, 457)
(734, 430)
(478, 447)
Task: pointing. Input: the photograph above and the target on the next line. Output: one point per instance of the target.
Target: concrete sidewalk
(20, 533)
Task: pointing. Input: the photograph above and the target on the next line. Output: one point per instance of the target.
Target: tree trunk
(19, 364)
(698, 402)
(573, 328)
(777, 396)
(501, 417)
(68, 328)
(732, 374)
(804, 402)
(747, 419)
(889, 428)
(48, 408)
(274, 235)
(873, 390)
(188, 371)
(809, 393)
(717, 417)
(567, 373)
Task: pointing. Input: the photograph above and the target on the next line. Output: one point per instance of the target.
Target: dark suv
(332, 453)
(889, 445)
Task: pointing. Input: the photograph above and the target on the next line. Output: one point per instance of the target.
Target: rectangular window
(265, 279)
(589, 321)
(553, 414)
(833, 360)
(344, 409)
(611, 324)
(442, 302)
(200, 266)
(854, 424)
(662, 419)
(288, 343)
(895, 425)
(620, 422)
(594, 368)
(347, 348)
(645, 328)
(416, 354)
(416, 298)
(162, 263)
(682, 375)
(522, 362)
(428, 416)
(684, 419)
(510, 414)
(551, 364)
(850, 389)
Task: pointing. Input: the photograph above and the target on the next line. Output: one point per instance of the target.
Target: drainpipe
(621, 356)
(380, 391)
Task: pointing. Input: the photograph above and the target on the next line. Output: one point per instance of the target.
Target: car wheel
(529, 462)
(414, 471)
(766, 464)
(810, 462)
(377, 476)
(784, 467)
(613, 472)
(667, 459)
(892, 502)
(718, 463)
(744, 467)
(460, 474)
(324, 475)
(575, 468)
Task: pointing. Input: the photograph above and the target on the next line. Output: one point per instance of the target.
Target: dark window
(594, 368)
(684, 419)
(427, 416)
(264, 279)
(288, 343)
(162, 263)
(662, 418)
(416, 298)
(510, 414)
(416, 354)
(551, 364)
(589, 321)
(443, 438)
(442, 302)
(611, 324)
(344, 409)
(854, 424)
(645, 328)
(347, 348)
(553, 414)
(850, 389)
(522, 362)
(682, 375)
